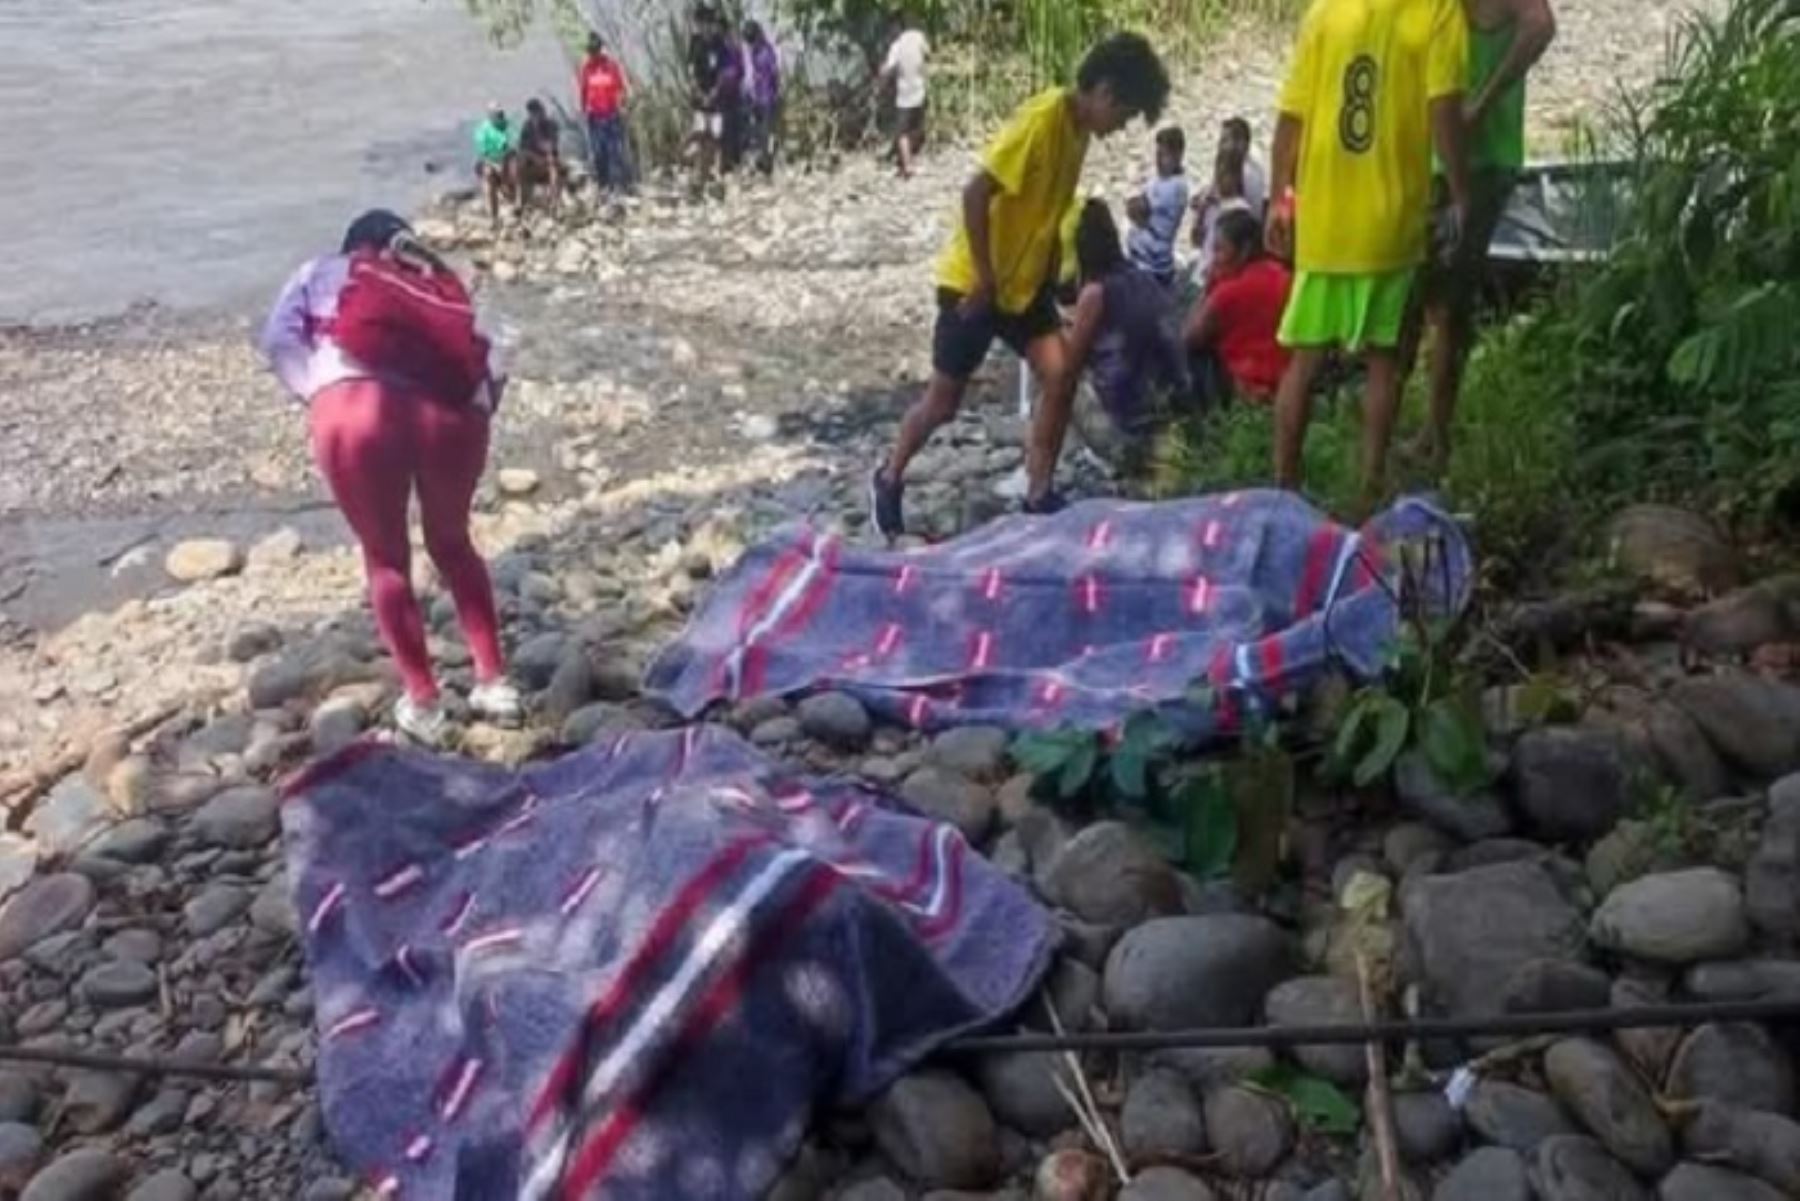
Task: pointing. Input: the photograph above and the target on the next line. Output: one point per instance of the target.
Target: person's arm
(1285, 158)
(1447, 70)
(977, 196)
(1090, 311)
(1202, 327)
(1534, 28)
(286, 342)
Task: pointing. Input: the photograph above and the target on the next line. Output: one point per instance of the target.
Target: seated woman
(1230, 333)
(1124, 335)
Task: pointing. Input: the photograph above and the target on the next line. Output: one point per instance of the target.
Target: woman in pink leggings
(380, 341)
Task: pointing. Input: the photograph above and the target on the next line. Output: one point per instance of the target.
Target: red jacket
(602, 86)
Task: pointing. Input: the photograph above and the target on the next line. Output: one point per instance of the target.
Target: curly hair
(1130, 66)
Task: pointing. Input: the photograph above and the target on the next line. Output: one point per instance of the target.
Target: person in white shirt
(906, 66)
(1234, 139)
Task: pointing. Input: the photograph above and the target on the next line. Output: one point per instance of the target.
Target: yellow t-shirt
(1363, 77)
(1036, 159)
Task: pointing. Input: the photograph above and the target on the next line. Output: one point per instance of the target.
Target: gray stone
(72, 812)
(777, 731)
(139, 840)
(18, 863)
(1486, 1174)
(1573, 1168)
(1173, 973)
(96, 1102)
(1766, 1145)
(1166, 1184)
(46, 906)
(1736, 1062)
(1320, 1001)
(1555, 986)
(312, 670)
(1471, 931)
(1409, 842)
(276, 550)
(1606, 1097)
(19, 1096)
(1705, 1182)
(1739, 622)
(880, 1188)
(1743, 980)
(836, 719)
(1331, 1190)
(329, 1188)
(238, 818)
(1074, 989)
(1754, 723)
(1426, 1128)
(21, 1151)
(166, 1185)
(1250, 1132)
(1207, 1068)
(249, 639)
(1672, 548)
(1684, 753)
(571, 685)
(1674, 917)
(1629, 850)
(1772, 877)
(216, 908)
(1021, 1090)
(118, 984)
(1572, 782)
(196, 559)
(536, 660)
(273, 909)
(937, 1130)
(336, 724)
(1108, 874)
(601, 718)
(1161, 1118)
(1423, 796)
(1515, 1117)
(949, 797)
(978, 752)
(140, 945)
(89, 1174)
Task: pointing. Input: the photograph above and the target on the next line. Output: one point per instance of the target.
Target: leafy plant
(1318, 1104)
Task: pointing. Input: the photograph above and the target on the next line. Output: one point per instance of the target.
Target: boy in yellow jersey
(1373, 84)
(995, 278)
(1506, 39)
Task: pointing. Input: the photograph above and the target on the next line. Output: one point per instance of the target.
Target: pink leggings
(375, 445)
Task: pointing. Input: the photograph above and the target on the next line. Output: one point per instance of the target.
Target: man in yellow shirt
(1372, 86)
(996, 276)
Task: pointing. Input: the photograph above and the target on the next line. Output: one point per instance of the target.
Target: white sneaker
(424, 724)
(496, 701)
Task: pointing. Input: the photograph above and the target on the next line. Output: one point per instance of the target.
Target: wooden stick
(1088, 1110)
(1378, 1102)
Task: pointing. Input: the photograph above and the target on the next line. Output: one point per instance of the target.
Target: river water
(189, 152)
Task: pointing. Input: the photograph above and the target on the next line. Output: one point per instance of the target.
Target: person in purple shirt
(762, 70)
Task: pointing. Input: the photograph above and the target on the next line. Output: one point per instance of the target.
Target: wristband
(1284, 205)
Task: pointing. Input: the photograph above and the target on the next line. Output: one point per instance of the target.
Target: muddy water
(191, 151)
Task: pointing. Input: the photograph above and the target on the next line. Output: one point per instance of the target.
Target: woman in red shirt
(1232, 330)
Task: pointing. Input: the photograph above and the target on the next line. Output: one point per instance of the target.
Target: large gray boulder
(937, 1130)
(1512, 1116)
(1250, 1132)
(1572, 782)
(1321, 1001)
(1740, 621)
(1766, 1145)
(1672, 548)
(1706, 1182)
(46, 906)
(1471, 931)
(1772, 877)
(1109, 875)
(1573, 1168)
(1604, 1095)
(1754, 723)
(1674, 917)
(1021, 1089)
(1733, 1061)
(1485, 1174)
(1178, 972)
(1161, 1118)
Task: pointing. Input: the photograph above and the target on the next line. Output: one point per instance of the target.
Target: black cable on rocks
(1517, 1025)
(1511, 1024)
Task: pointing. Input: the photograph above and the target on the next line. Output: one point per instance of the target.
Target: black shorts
(959, 344)
(910, 121)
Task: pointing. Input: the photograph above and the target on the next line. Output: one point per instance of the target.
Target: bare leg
(1293, 410)
(1449, 349)
(1049, 359)
(903, 147)
(1381, 401)
(943, 396)
(490, 190)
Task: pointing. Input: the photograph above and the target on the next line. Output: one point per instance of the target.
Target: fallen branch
(1378, 1103)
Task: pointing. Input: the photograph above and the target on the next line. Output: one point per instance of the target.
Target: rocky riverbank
(685, 380)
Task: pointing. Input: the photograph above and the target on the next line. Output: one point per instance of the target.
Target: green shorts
(1351, 311)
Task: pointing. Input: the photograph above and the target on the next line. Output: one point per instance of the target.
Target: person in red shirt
(1232, 330)
(603, 94)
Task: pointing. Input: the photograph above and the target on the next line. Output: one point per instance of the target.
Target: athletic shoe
(426, 725)
(1050, 502)
(885, 511)
(496, 701)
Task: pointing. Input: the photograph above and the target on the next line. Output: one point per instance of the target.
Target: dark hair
(1097, 249)
(753, 30)
(1240, 228)
(1230, 166)
(1137, 77)
(1238, 126)
(535, 107)
(374, 230)
(595, 43)
(1172, 140)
